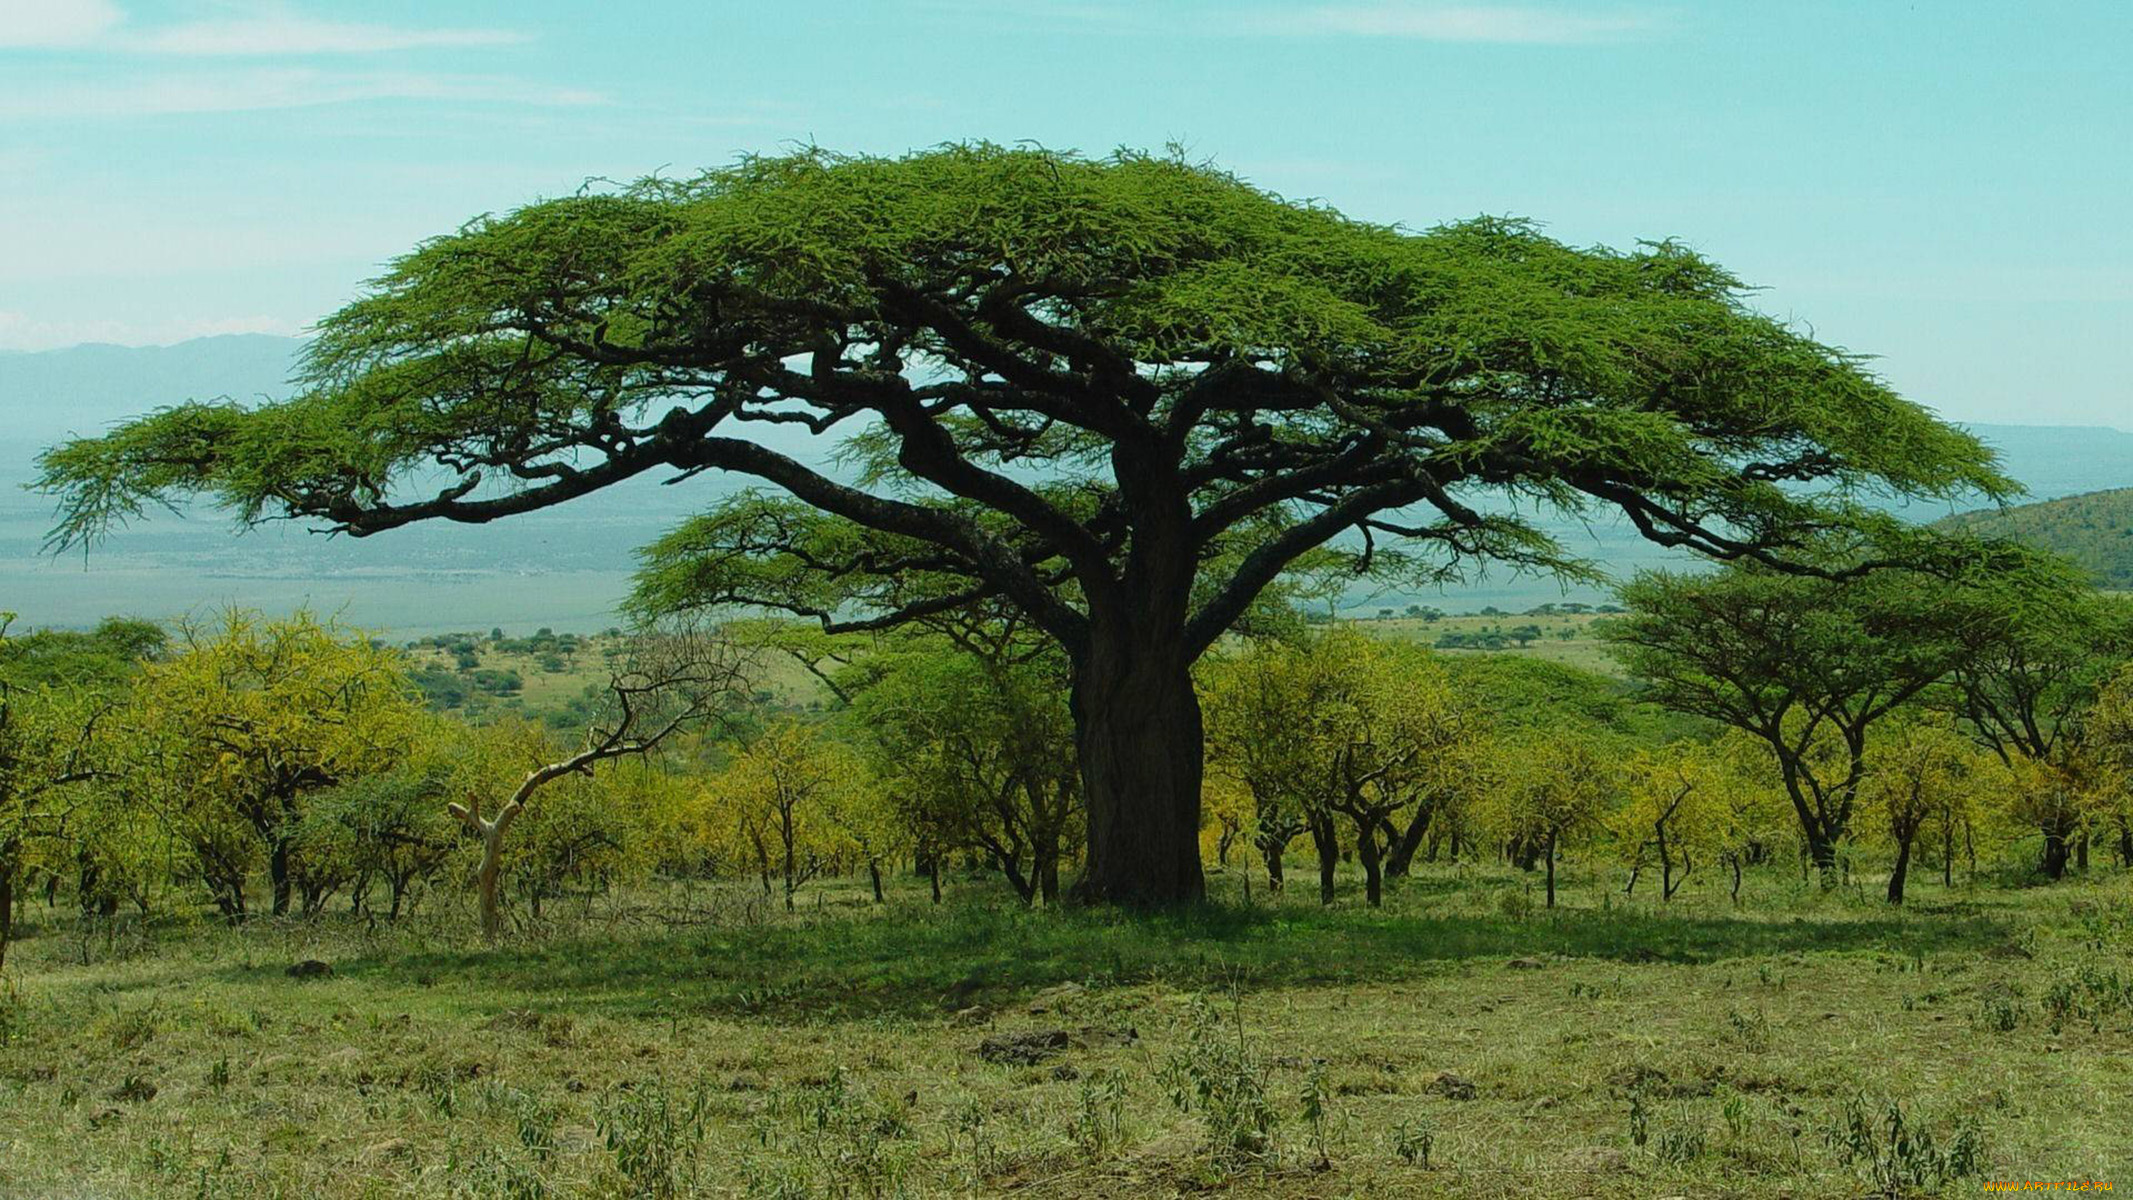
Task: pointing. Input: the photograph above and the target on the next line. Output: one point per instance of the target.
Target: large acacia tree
(1121, 395)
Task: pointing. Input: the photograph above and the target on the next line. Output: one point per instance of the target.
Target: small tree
(1911, 778)
(1809, 666)
(970, 728)
(48, 743)
(782, 795)
(2023, 696)
(1552, 791)
(679, 678)
(245, 721)
(388, 828)
(1667, 820)
(2109, 734)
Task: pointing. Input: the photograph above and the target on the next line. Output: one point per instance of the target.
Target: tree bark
(1897, 872)
(1327, 841)
(278, 872)
(1366, 852)
(1139, 741)
(492, 861)
(1273, 855)
(2055, 853)
(1401, 854)
(1048, 879)
(491, 832)
(874, 873)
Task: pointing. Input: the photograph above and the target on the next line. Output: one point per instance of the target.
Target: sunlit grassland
(701, 1036)
(1565, 638)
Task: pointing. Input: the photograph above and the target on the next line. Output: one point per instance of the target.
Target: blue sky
(1946, 184)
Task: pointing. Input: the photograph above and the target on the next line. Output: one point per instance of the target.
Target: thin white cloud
(51, 23)
(1418, 20)
(288, 36)
(1456, 23)
(271, 88)
(100, 25)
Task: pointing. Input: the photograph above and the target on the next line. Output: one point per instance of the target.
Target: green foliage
(1060, 300)
(975, 742)
(242, 725)
(106, 656)
(1810, 665)
(1218, 1076)
(1898, 1156)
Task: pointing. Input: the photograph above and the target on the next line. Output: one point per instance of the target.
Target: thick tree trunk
(278, 872)
(1401, 854)
(2055, 853)
(933, 872)
(1139, 741)
(2125, 845)
(1366, 852)
(1897, 872)
(1327, 841)
(1273, 855)
(492, 861)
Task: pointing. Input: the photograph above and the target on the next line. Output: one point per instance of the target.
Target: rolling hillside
(2095, 529)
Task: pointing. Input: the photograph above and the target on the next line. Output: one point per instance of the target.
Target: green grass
(702, 1037)
(1565, 638)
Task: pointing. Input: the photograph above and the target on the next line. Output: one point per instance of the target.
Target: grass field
(1564, 637)
(1459, 1042)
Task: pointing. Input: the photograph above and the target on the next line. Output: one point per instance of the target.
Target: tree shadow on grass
(918, 961)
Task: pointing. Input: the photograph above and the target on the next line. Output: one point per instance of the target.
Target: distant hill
(52, 394)
(2095, 529)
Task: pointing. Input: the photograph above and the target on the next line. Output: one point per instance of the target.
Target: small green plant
(218, 1073)
(2088, 995)
(1640, 1121)
(1681, 1138)
(1314, 1103)
(1734, 1108)
(970, 1120)
(1516, 903)
(656, 1137)
(1750, 1030)
(1999, 1012)
(1413, 1141)
(1218, 1075)
(438, 1085)
(1099, 1114)
(1898, 1156)
(850, 1139)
